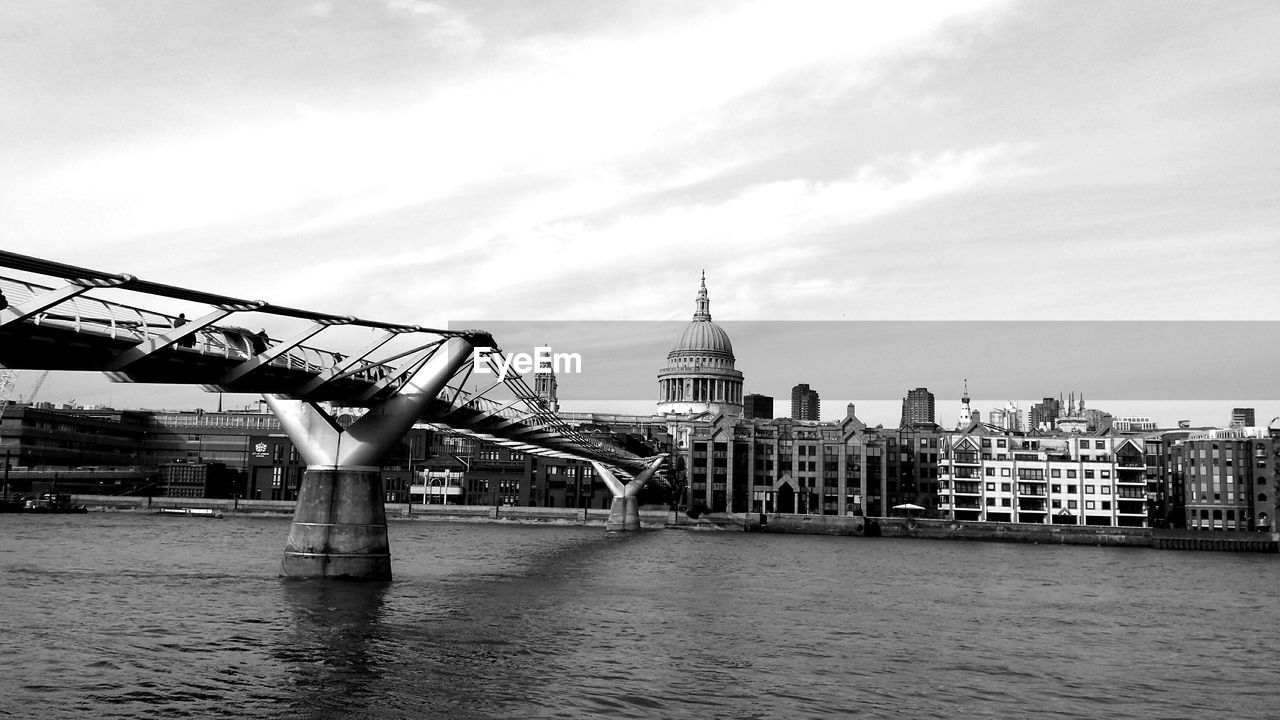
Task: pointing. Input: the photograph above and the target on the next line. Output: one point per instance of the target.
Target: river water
(143, 616)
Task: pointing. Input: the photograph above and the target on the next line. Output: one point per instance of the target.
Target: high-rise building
(805, 404)
(917, 407)
(1044, 414)
(1242, 417)
(1009, 417)
(757, 407)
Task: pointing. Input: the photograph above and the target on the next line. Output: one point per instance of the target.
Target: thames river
(142, 616)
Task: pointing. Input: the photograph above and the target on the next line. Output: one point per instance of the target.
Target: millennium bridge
(55, 316)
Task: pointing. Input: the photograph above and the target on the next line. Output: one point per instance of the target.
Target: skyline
(426, 162)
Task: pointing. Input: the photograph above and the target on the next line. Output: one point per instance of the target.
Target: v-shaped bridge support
(340, 524)
(624, 513)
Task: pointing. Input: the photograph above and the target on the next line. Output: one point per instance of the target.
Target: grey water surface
(143, 616)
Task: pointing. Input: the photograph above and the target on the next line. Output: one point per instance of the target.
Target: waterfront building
(74, 450)
(805, 403)
(700, 375)
(101, 451)
(757, 407)
(917, 407)
(44, 436)
(829, 468)
(1229, 482)
(989, 474)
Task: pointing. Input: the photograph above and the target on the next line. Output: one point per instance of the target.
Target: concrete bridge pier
(339, 527)
(624, 513)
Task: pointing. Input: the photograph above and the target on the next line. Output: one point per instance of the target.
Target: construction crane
(8, 379)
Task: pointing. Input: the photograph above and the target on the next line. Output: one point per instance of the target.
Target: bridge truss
(63, 317)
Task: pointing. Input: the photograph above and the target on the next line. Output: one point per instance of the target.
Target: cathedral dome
(702, 336)
(699, 376)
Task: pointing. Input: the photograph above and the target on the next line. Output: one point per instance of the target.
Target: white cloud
(538, 108)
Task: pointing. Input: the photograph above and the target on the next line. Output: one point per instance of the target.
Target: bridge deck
(47, 327)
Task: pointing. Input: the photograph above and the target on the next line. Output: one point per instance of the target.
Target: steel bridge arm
(153, 345)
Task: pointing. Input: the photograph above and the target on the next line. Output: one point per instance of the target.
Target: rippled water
(141, 616)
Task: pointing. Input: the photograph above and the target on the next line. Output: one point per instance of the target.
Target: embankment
(1016, 532)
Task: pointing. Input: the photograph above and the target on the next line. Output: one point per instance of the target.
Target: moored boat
(191, 512)
(46, 504)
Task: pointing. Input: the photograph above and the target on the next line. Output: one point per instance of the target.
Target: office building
(1242, 417)
(757, 407)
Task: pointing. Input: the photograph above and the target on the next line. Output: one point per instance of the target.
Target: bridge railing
(84, 314)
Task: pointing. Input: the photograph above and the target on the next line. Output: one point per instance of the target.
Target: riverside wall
(1014, 532)
(395, 511)
(853, 526)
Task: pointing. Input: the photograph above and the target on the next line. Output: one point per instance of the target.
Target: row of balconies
(945, 503)
(971, 459)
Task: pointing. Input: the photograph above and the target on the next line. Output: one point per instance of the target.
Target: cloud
(548, 106)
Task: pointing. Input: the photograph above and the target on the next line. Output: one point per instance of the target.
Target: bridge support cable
(275, 351)
(346, 366)
(624, 512)
(164, 340)
(339, 527)
(391, 378)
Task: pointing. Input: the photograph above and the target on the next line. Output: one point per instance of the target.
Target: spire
(704, 305)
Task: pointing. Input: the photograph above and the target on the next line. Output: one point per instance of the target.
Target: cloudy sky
(422, 162)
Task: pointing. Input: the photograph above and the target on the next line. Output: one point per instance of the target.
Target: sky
(425, 162)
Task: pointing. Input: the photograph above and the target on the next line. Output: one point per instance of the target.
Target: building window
(1105, 489)
(1055, 473)
(1071, 474)
(1072, 489)
(1072, 505)
(991, 487)
(1088, 489)
(1088, 504)
(1004, 487)
(1088, 474)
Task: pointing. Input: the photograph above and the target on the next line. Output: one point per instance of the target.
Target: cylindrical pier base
(339, 527)
(624, 515)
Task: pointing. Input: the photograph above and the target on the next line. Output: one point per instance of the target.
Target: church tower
(544, 386)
